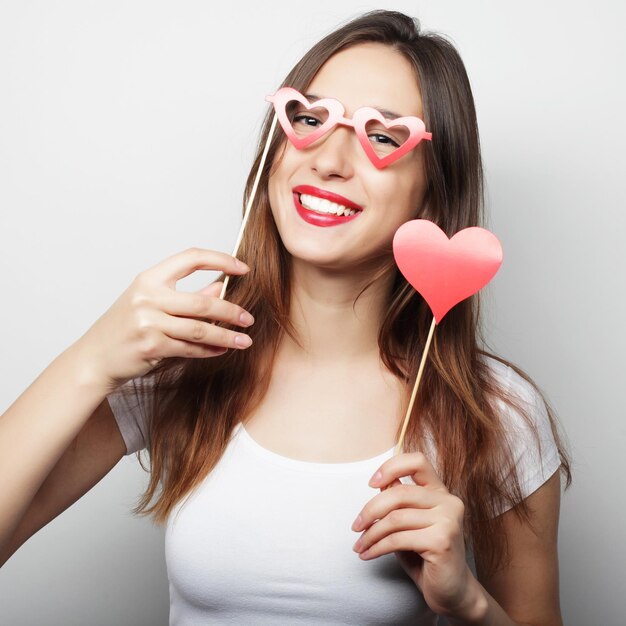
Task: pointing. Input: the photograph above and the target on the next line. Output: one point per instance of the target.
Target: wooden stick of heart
(415, 387)
(251, 199)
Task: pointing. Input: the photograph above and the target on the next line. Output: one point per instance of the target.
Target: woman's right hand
(151, 321)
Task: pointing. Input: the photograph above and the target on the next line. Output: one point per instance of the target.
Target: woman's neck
(329, 325)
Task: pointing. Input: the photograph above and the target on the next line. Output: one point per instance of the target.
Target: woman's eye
(307, 120)
(378, 138)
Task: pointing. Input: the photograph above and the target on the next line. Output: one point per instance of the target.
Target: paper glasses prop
(399, 135)
(444, 272)
(406, 132)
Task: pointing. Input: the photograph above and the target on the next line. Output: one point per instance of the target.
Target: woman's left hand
(422, 525)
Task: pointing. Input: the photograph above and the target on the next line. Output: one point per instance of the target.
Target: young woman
(263, 442)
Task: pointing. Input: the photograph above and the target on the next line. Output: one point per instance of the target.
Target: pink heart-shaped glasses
(399, 135)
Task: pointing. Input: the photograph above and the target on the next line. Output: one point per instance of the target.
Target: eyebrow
(390, 115)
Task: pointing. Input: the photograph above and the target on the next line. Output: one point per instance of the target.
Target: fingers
(414, 464)
(177, 348)
(151, 321)
(181, 264)
(203, 305)
(400, 496)
(409, 517)
(395, 482)
(397, 521)
(214, 289)
(419, 541)
(198, 331)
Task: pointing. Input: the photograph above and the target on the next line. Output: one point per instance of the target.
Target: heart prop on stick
(444, 272)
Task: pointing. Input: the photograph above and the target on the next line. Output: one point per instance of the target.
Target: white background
(126, 133)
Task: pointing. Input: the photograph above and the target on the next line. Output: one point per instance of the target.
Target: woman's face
(372, 75)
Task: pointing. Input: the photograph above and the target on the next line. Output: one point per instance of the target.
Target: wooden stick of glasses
(251, 198)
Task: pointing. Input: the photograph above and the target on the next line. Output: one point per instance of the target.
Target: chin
(317, 258)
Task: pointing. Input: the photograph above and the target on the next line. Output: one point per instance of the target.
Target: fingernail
(356, 525)
(358, 545)
(246, 318)
(243, 341)
(241, 264)
(375, 479)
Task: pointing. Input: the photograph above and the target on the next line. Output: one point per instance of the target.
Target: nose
(333, 155)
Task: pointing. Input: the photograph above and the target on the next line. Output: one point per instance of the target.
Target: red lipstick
(323, 219)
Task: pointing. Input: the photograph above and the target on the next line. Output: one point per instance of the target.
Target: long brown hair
(198, 402)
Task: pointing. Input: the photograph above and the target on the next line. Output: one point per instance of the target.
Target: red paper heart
(445, 271)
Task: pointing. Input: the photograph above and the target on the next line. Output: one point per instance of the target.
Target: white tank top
(267, 540)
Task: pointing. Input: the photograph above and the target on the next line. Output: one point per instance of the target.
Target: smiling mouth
(320, 207)
(323, 217)
(325, 207)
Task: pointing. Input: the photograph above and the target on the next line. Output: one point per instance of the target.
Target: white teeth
(321, 205)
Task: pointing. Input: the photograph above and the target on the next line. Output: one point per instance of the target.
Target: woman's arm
(149, 322)
(92, 454)
(38, 427)
(527, 588)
